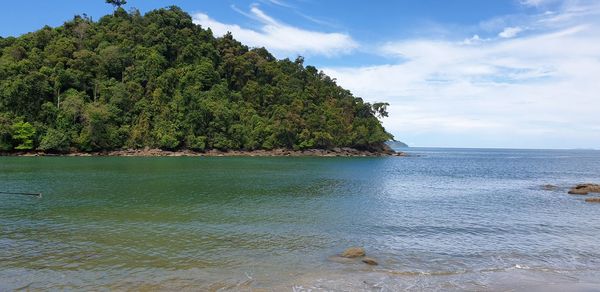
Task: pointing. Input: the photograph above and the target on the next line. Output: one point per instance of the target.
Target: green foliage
(380, 109)
(5, 132)
(159, 80)
(117, 3)
(55, 141)
(23, 133)
(98, 130)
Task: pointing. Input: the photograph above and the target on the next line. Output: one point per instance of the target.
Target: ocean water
(440, 219)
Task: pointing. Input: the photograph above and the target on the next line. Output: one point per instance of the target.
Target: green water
(443, 219)
(126, 217)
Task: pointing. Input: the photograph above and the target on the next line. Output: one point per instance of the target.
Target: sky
(461, 73)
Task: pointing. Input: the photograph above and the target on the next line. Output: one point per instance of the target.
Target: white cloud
(510, 32)
(534, 2)
(535, 91)
(278, 2)
(282, 39)
(475, 39)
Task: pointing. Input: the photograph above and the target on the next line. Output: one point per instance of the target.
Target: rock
(593, 188)
(370, 261)
(578, 192)
(593, 200)
(354, 252)
(386, 149)
(349, 150)
(584, 189)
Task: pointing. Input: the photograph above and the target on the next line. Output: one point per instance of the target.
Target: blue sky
(470, 73)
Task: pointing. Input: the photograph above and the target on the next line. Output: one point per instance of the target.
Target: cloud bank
(282, 39)
(524, 88)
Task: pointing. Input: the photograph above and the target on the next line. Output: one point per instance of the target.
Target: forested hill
(158, 80)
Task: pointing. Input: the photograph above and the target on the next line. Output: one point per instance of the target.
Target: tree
(55, 140)
(98, 133)
(380, 109)
(23, 133)
(117, 3)
(5, 133)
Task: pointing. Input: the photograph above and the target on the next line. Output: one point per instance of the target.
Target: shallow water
(441, 219)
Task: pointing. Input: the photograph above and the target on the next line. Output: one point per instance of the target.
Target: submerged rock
(354, 252)
(593, 200)
(353, 255)
(584, 189)
(549, 187)
(370, 261)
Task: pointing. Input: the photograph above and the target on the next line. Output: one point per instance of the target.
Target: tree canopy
(117, 3)
(158, 80)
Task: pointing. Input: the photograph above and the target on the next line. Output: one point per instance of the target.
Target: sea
(436, 220)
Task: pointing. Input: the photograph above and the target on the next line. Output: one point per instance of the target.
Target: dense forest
(158, 80)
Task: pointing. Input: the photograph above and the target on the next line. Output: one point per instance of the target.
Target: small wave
(424, 273)
(521, 267)
(467, 271)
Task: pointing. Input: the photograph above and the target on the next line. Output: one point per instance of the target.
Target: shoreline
(148, 152)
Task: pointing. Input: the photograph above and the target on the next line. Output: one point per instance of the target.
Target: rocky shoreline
(148, 152)
(579, 190)
(584, 189)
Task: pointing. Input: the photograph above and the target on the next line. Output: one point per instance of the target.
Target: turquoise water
(441, 219)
